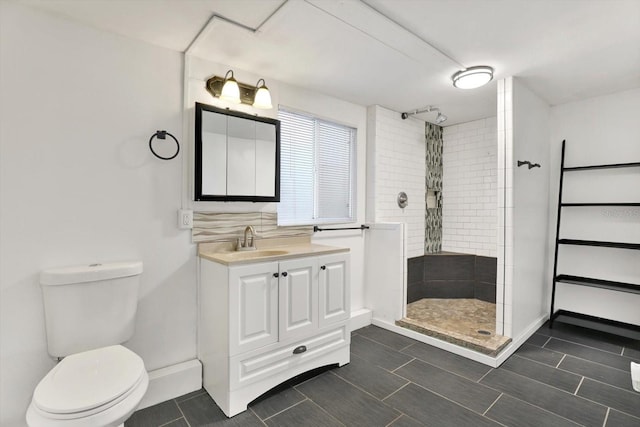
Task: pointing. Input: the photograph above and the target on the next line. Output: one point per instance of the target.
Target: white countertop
(267, 250)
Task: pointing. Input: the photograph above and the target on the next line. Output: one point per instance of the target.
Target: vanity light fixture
(473, 77)
(229, 89)
(262, 98)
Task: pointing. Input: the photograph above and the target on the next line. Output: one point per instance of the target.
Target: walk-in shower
(451, 296)
(451, 290)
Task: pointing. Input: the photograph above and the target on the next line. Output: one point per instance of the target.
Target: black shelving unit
(579, 318)
(599, 243)
(599, 204)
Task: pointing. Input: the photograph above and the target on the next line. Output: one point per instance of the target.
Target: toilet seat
(98, 383)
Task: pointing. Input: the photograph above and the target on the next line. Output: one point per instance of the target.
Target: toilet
(89, 311)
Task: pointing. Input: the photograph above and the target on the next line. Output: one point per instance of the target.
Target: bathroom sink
(237, 256)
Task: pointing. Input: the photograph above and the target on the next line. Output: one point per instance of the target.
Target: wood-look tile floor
(466, 322)
(567, 376)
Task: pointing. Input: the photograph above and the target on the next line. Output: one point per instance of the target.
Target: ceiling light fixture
(472, 77)
(229, 89)
(262, 98)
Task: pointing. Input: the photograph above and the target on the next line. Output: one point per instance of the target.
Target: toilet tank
(90, 306)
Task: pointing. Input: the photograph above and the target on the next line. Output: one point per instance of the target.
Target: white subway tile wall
(400, 166)
(469, 189)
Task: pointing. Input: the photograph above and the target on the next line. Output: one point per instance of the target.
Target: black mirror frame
(198, 196)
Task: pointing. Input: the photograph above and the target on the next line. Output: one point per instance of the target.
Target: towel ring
(162, 134)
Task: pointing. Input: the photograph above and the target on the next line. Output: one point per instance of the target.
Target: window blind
(316, 170)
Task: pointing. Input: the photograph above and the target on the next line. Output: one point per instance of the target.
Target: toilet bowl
(89, 311)
(100, 387)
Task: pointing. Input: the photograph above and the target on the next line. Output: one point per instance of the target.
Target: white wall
(396, 162)
(526, 201)
(79, 185)
(469, 187)
(599, 130)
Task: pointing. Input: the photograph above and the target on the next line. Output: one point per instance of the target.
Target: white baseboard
(359, 319)
(172, 381)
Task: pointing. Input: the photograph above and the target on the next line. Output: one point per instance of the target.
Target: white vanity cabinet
(265, 322)
(334, 290)
(253, 303)
(298, 298)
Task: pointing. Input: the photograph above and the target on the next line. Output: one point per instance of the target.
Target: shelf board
(620, 245)
(600, 204)
(597, 323)
(599, 283)
(611, 166)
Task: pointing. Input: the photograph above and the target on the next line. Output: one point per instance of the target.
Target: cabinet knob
(284, 274)
(300, 349)
(323, 267)
(275, 274)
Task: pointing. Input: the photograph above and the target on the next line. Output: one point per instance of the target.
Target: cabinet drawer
(246, 369)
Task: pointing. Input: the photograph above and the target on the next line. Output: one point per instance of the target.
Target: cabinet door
(253, 306)
(334, 295)
(298, 297)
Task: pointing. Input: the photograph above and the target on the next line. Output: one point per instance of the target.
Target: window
(316, 170)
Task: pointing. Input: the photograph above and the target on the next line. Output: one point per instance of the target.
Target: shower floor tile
(457, 321)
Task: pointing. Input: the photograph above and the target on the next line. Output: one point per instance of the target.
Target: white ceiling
(396, 53)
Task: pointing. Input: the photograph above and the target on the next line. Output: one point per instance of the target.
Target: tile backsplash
(218, 226)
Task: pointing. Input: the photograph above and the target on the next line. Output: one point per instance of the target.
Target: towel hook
(527, 162)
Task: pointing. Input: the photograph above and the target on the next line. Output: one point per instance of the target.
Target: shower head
(439, 118)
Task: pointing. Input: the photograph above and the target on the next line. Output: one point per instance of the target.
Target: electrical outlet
(185, 218)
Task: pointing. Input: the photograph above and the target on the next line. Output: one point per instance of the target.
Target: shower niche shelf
(582, 319)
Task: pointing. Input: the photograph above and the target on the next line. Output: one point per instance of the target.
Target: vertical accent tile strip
(433, 164)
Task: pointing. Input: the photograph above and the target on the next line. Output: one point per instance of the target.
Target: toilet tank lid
(89, 273)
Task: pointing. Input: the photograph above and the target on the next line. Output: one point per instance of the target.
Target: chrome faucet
(249, 243)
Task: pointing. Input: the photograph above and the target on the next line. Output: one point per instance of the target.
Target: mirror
(237, 156)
